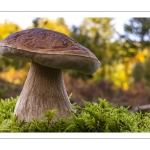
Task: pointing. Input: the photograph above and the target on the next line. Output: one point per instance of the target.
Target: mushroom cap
(49, 48)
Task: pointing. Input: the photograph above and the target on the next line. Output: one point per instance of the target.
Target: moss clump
(93, 117)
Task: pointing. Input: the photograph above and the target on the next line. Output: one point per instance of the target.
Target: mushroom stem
(43, 90)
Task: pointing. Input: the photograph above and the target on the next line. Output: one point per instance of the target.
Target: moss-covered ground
(93, 117)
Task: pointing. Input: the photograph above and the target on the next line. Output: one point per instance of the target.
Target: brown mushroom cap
(49, 48)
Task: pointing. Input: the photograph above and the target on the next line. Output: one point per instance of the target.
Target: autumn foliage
(123, 77)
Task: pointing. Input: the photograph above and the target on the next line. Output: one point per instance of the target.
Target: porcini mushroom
(49, 51)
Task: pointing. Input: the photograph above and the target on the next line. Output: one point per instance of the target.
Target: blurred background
(124, 76)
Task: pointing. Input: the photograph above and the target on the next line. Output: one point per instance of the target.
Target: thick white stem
(43, 90)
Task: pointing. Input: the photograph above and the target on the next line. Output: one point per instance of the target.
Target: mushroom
(49, 52)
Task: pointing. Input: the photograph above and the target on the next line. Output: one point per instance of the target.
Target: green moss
(93, 117)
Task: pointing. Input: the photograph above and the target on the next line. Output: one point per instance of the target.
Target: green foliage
(138, 30)
(136, 37)
(137, 33)
(138, 72)
(93, 117)
(6, 64)
(141, 73)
